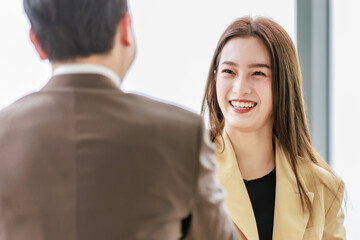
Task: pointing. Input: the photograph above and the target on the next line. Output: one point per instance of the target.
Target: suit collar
(76, 68)
(289, 218)
(80, 81)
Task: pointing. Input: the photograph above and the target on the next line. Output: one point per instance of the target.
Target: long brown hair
(290, 126)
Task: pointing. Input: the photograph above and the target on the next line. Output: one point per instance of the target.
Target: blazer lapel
(290, 219)
(237, 201)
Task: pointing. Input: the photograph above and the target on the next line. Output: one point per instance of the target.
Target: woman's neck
(254, 152)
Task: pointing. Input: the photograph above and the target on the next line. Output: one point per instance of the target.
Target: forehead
(245, 50)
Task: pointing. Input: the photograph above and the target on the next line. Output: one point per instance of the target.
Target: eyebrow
(261, 65)
(230, 63)
(253, 65)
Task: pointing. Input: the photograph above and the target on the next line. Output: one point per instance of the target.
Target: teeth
(237, 104)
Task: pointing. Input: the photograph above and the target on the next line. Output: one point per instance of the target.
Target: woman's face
(243, 85)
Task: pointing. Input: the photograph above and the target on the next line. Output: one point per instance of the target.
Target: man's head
(65, 30)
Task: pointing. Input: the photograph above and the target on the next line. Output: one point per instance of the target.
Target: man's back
(83, 160)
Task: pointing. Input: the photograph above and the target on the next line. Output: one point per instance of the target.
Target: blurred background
(176, 40)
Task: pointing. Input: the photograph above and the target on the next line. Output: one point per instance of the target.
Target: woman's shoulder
(320, 176)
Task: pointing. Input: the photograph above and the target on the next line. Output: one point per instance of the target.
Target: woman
(278, 187)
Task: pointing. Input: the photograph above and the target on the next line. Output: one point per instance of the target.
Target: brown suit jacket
(82, 160)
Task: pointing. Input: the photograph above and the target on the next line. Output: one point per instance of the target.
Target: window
(176, 41)
(345, 104)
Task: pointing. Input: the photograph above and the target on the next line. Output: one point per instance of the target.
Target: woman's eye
(227, 71)
(259, 74)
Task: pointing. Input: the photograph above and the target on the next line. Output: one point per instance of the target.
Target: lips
(242, 106)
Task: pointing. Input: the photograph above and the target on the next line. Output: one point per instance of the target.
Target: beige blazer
(82, 160)
(290, 221)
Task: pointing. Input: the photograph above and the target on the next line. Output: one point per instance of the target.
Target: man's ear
(34, 41)
(124, 27)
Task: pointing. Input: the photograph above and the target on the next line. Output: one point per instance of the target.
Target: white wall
(345, 143)
(175, 39)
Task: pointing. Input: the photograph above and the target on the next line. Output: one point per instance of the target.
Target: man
(82, 160)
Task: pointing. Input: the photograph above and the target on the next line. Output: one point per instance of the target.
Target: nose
(241, 85)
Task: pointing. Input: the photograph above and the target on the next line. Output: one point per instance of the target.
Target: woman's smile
(242, 106)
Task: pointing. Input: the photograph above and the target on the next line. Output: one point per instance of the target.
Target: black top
(262, 195)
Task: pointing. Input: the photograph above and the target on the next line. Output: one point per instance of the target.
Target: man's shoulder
(18, 107)
(157, 109)
(143, 111)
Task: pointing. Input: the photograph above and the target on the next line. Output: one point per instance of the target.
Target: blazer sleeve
(210, 219)
(334, 218)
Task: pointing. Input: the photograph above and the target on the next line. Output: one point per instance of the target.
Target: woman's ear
(39, 50)
(215, 75)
